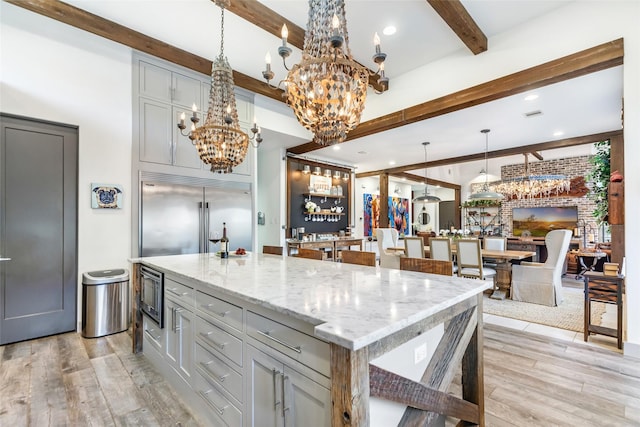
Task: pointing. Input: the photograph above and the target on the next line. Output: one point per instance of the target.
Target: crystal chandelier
(220, 141)
(533, 186)
(426, 197)
(486, 193)
(327, 89)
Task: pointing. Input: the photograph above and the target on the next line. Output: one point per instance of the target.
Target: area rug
(569, 315)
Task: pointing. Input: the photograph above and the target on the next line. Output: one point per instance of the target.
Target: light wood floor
(67, 380)
(530, 380)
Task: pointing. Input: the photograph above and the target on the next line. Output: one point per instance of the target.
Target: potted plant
(599, 178)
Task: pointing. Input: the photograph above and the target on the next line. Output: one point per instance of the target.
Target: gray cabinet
(179, 327)
(280, 396)
(168, 86)
(163, 92)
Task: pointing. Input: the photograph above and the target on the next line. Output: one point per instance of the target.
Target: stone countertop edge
(352, 331)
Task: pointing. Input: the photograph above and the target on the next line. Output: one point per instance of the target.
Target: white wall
(54, 72)
(272, 198)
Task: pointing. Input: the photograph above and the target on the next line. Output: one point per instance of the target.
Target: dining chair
(469, 254)
(272, 250)
(413, 247)
(440, 249)
(427, 265)
(359, 258)
(310, 253)
(495, 243)
(388, 259)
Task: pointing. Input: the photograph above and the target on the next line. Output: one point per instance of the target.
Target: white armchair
(387, 238)
(542, 283)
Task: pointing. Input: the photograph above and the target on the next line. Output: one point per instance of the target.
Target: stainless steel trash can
(105, 302)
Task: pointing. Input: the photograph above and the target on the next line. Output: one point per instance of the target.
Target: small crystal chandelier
(486, 193)
(327, 89)
(426, 197)
(220, 141)
(532, 186)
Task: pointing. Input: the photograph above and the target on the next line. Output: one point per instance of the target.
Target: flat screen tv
(537, 222)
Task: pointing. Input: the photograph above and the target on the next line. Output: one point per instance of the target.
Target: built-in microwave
(152, 294)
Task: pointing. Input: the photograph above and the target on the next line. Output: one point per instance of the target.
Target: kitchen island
(285, 339)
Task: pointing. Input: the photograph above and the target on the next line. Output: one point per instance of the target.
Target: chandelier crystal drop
(220, 142)
(327, 89)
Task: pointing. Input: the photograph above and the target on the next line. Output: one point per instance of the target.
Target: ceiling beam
(420, 180)
(261, 16)
(549, 145)
(459, 20)
(110, 30)
(537, 155)
(594, 59)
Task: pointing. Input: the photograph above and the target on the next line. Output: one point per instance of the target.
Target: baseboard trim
(632, 350)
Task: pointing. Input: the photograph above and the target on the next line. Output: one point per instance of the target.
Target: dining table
(503, 261)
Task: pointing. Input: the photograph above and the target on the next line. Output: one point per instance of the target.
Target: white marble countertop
(349, 305)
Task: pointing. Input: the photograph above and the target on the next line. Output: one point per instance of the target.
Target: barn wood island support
(271, 340)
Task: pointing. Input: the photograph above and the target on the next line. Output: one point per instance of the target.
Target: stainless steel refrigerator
(180, 219)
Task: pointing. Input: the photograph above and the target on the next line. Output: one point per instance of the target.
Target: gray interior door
(38, 212)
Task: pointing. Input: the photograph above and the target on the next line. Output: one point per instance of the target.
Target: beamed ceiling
(592, 76)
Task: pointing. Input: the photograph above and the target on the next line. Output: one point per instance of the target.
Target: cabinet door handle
(206, 366)
(276, 402)
(224, 313)
(267, 334)
(173, 319)
(206, 336)
(218, 410)
(284, 394)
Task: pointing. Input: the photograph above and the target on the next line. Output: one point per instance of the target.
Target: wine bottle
(224, 242)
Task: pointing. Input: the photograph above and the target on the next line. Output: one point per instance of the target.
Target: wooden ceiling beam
(420, 180)
(588, 61)
(459, 20)
(549, 145)
(110, 30)
(261, 16)
(537, 155)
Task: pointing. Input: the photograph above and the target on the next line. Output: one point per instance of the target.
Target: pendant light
(485, 193)
(426, 197)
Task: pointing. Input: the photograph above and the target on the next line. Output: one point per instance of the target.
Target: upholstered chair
(469, 256)
(413, 247)
(541, 283)
(440, 249)
(493, 243)
(388, 259)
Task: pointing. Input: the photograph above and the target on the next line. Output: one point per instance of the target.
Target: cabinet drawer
(220, 340)
(179, 292)
(220, 310)
(307, 350)
(218, 371)
(222, 407)
(152, 332)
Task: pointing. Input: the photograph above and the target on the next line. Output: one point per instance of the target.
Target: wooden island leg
(349, 387)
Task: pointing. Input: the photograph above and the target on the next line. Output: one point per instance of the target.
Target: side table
(606, 289)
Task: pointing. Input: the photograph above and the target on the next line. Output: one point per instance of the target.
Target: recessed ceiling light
(389, 30)
(531, 97)
(558, 133)
(392, 162)
(336, 147)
